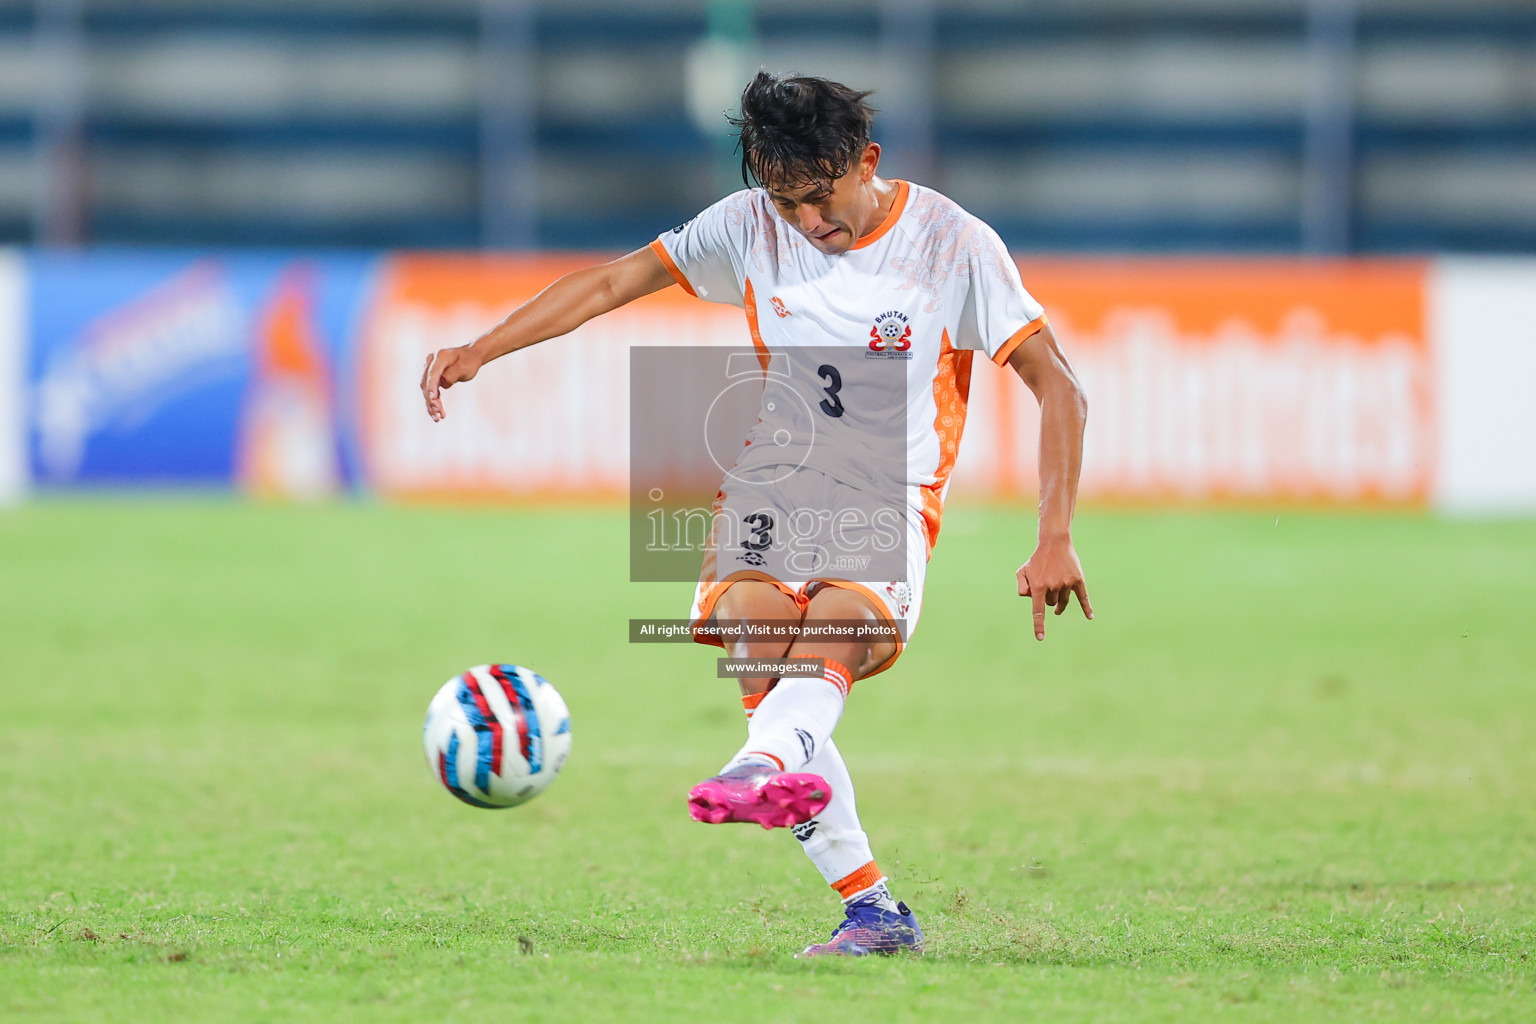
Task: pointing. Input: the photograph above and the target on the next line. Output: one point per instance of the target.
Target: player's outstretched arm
(559, 309)
(1053, 573)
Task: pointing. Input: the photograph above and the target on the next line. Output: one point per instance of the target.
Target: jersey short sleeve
(998, 315)
(705, 255)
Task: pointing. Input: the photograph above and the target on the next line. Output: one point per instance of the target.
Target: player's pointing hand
(1050, 578)
(445, 368)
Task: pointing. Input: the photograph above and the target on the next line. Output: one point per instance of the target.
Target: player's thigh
(756, 602)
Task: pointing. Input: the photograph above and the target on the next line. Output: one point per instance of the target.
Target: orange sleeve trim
(858, 881)
(1020, 336)
(750, 701)
(902, 188)
(666, 261)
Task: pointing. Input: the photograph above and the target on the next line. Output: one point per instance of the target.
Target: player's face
(833, 214)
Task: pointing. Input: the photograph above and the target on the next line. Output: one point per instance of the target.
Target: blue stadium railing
(668, 134)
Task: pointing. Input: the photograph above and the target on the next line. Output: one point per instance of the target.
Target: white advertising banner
(1483, 321)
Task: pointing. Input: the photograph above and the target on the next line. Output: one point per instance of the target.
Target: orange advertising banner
(550, 421)
(1219, 380)
(1207, 380)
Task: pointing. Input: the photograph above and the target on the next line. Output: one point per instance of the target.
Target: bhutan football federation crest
(890, 337)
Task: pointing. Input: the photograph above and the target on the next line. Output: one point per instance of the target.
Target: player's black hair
(800, 130)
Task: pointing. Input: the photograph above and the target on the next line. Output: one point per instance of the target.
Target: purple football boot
(868, 929)
(761, 795)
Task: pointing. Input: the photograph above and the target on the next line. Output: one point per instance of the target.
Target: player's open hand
(445, 368)
(1050, 578)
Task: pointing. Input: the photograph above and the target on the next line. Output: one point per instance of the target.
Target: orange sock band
(750, 701)
(858, 881)
(764, 753)
(836, 673)
(839, 676)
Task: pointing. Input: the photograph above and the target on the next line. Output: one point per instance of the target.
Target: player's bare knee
(861, 655)
(756, 601)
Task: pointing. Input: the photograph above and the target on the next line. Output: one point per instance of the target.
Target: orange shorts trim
(703, 635)
(714, 591)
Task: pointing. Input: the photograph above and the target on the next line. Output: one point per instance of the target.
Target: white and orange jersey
(902, 314)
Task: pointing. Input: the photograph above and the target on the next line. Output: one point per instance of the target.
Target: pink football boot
(760, 794)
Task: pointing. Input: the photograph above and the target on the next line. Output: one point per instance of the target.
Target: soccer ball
(497, 735)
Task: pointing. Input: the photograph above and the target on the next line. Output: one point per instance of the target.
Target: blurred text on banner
(1207, 380)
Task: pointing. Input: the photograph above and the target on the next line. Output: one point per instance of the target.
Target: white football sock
(834, 839)
(795, 721)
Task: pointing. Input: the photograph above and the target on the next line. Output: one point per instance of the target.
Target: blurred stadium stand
(1270, 125)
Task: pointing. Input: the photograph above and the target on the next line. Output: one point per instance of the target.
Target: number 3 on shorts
(762, 531)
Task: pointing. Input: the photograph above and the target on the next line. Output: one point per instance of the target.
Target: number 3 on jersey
(831, 405)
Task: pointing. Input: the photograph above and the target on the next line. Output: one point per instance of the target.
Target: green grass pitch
(1287, 774)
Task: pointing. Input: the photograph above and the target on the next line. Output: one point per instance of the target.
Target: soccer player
(901, 285)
